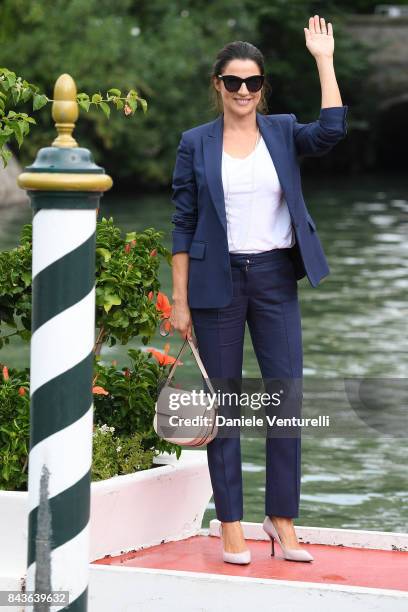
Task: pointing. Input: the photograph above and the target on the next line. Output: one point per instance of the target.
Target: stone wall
(388, 40)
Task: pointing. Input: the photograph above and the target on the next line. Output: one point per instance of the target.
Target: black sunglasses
(233, 83)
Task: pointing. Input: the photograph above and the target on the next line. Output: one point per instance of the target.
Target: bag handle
(199, 363)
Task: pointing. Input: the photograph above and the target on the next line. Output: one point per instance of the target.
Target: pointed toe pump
(242, 558)
(291, 554)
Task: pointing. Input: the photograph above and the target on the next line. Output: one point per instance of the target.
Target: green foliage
(162, 50)
(14, 428)
(128, 408)
(130, 403)
(12, 91)
(166, 50)
(15, 295)
(15, 90)
(126, 274)
(114, 456)
(126, 285)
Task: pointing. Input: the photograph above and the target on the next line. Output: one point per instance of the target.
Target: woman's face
(234, 102)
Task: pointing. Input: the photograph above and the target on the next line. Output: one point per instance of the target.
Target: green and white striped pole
(65, 186)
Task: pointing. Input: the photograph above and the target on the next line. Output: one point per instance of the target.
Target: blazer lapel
(212, 147)
(213, 144)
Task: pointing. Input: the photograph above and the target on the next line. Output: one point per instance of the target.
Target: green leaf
(144, 104)
(26, 94)
(115, 92)
(96, 98)
(6, 131)
(39, 101)
(19, 132)
(111, 300)
(105, 253)
(34, 88)
(11, 78)
(133, 104)
(105, 107)
(85, 104)
(27, 278)
(5, 155)
(15, 94)
(3, 139)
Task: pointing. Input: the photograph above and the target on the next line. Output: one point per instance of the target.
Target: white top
(260, 223)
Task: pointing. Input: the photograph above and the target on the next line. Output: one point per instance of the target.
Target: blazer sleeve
(318, 137)
(184, 198)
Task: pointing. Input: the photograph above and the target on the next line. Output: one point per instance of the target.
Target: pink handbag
(204, 427)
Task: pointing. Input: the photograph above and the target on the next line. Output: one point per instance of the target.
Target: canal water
(354, 327)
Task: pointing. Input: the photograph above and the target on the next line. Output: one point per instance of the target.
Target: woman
(242, 238)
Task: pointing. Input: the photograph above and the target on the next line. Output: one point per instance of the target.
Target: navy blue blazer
(200, 224)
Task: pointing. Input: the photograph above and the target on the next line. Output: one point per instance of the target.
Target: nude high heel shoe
(292, 554)
(239, 557)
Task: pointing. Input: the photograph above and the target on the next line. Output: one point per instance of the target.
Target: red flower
(153, 253)
(21, 391)
(5, 373)
(99, 391)
(150, 295)
(163, 305)
(127, 110)
(162, 358)
(127, 248)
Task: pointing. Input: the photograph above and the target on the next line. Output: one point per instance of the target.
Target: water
(354, 324)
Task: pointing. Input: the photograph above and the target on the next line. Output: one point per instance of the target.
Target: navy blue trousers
(265, 295)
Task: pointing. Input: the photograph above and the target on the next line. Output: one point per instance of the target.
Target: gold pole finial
(65, 111)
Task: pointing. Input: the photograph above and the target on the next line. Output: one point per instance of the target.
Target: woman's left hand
(319, 37)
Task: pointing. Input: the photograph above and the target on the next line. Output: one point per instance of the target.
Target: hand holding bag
(204, 428)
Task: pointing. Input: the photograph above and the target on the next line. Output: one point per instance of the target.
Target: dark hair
(237, 49)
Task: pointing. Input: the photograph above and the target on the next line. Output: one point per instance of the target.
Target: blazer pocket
(197, 249)
(311, 222)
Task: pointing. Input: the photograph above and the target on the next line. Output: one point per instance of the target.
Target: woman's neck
(235, 123)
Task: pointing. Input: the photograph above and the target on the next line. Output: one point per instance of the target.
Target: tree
(165, 51)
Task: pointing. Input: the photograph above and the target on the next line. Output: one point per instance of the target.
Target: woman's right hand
(180, 319)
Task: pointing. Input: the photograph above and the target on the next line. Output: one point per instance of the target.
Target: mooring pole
(65, 187)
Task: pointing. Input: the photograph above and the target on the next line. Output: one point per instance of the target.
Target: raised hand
(319, 37)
